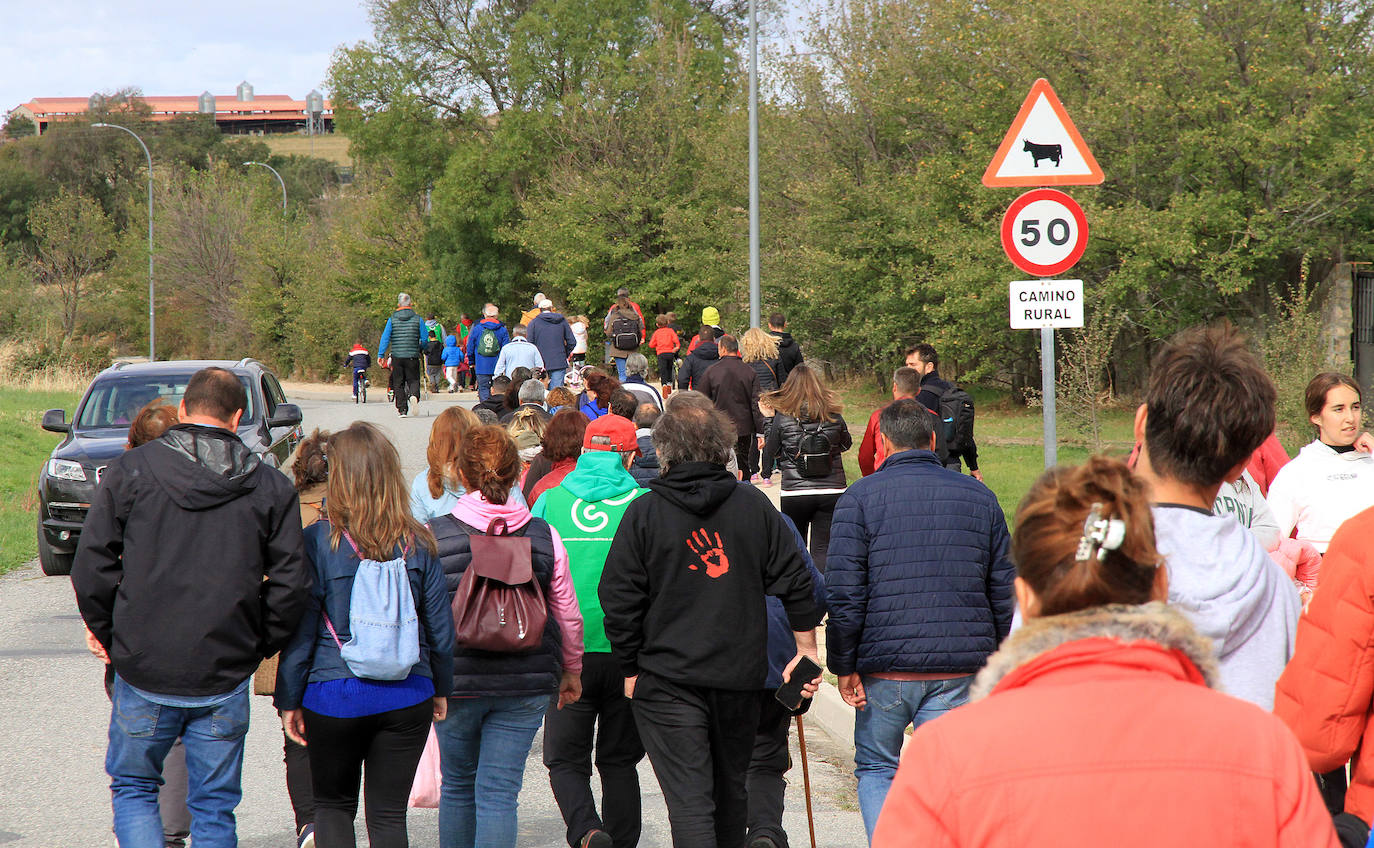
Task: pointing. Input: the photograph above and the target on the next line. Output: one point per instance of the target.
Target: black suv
(270, 426)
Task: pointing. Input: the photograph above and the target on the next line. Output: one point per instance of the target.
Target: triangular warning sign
(1042, 148)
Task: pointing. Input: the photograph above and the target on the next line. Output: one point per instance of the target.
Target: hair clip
(1100, 535)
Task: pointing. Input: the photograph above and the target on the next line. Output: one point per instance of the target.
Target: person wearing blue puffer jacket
(453, 358)
(920, 594)
(485, 341)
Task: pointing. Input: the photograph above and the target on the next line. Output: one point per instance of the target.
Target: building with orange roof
(243, 113)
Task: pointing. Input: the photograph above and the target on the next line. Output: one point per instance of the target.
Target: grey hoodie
(1234, 594)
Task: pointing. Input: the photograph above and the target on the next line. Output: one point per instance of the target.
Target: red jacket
(1325, 692)
(871, 452)
(1100, 730)
(1266, 461)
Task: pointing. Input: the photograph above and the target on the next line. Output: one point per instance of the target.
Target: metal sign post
(1047, 395)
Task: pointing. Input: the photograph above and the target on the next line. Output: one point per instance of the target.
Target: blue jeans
(556, 377)
(620, 368)
(484, 386)
(141, 734)
(483, 745)
(880, 730)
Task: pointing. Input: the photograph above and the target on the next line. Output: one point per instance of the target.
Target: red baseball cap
(610, 432)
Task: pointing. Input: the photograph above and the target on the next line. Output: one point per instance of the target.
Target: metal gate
(1362, 339)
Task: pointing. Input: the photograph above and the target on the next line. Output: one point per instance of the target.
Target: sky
(74, 48)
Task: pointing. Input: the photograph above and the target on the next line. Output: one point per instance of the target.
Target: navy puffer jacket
(918, 578)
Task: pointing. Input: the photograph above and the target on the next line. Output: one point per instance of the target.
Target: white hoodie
(1319, 490)
(1234, 594)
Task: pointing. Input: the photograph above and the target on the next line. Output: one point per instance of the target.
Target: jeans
(359, 375)
(603, 712)
(482, 749)
(484, 386)
(142, 733)
(880, 730)
(700, 741)
(620, 367)
(556, 377)
(390, 745)
(813, 515)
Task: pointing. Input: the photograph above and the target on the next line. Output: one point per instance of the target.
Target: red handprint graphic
(712, 556)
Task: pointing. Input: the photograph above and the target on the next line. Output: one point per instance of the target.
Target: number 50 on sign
(1044, 232)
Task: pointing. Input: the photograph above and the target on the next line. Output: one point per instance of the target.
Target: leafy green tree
(18, 126)
(74, 242)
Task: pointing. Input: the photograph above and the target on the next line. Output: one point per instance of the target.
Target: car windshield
(114, 402)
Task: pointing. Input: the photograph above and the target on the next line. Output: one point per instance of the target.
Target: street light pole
(753, 164)
(152, 316)
(279, 180)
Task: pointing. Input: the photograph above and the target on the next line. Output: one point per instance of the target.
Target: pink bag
(424, 792)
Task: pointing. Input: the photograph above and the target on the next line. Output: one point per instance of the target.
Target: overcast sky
(73, 48)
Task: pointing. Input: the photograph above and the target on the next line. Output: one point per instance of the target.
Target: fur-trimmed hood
(1152, 622)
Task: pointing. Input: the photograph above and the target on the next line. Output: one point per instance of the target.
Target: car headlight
(65, 469)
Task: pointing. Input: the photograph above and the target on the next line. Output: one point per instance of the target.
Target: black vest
(490, 673)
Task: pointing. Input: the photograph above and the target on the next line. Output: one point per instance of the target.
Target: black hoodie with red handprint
(684, 583)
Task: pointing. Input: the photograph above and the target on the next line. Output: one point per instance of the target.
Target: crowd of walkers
(1174, 647)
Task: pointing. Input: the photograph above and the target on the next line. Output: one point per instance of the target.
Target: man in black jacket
(705, 356)
(789, 352)
(683, 596)
(190, 570)
(924, 358)
(733, 387)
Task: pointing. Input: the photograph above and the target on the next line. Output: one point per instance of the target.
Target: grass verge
(25, 446)
(1009, 436)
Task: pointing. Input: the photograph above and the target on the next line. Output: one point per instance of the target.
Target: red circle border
(1008, 237)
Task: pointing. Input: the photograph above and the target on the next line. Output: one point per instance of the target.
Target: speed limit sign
(1044, 232)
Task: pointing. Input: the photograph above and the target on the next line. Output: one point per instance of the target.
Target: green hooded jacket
(586, 509)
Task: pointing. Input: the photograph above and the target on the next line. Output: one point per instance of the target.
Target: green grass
(1009, 436)
(24, 446)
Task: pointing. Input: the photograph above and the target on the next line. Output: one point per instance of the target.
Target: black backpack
(625, 333)
(813, 453)
(956, 418)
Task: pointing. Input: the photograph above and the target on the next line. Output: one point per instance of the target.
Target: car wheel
(53, 563)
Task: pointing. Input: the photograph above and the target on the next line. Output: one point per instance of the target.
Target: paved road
(54, 716)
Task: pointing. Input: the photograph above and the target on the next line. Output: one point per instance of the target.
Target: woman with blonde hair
(358, 725)
(436, 490)
(759, 350)
(1098, 722)
(806, 438)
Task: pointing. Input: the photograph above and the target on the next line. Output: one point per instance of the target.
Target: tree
(75, 241)
(19, 126)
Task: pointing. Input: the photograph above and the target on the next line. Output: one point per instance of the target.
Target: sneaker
(756, 479)
(596, 839)
(400, 414)
(306, 839)
(767, 481)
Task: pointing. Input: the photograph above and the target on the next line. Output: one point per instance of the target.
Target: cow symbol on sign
(1052, 152)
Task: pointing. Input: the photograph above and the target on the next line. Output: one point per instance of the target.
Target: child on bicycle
(358, 361)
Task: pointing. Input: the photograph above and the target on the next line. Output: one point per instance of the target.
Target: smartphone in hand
(789, 694)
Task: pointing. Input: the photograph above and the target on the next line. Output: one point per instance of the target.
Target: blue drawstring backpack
(385, 631)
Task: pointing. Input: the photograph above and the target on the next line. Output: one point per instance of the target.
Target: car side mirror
(55, 421)
(287, 415)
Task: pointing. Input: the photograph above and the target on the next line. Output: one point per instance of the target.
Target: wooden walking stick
(806, 782)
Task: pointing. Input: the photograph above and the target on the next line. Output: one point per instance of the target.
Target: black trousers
(700, 742)
(390, 743)
(298, 782)
(744, 446)
(812, 514)
(766, 780)
(405, 381)
(666, 362)
(603, 712)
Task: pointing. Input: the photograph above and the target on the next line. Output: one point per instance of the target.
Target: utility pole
(152, 318)
(279, 180)
(754, 296)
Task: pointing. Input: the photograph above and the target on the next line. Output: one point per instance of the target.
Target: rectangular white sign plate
(1036, 304)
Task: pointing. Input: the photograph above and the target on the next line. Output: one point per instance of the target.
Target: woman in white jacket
(1329, 480)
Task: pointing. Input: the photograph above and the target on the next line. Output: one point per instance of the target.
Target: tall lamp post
(152, 318)
(753, 165)
(279, 180)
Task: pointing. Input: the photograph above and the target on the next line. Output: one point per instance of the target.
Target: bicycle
(360, 385)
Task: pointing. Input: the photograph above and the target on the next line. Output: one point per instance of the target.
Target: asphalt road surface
(54, 717)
